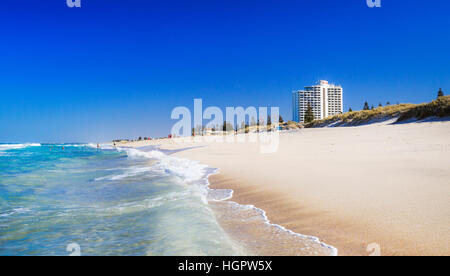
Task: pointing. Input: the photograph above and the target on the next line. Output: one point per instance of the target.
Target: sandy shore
(351, 187)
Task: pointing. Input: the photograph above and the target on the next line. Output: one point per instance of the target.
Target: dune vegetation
(402, 112)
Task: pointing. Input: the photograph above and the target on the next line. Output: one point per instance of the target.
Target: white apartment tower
(324, 98)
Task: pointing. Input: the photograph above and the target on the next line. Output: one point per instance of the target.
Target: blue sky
(114, 69)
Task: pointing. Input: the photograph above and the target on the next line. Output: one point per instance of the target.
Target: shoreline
(213, 185)
(384, 185)
(273, 216)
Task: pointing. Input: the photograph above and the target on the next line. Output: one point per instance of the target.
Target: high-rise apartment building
(325, 100)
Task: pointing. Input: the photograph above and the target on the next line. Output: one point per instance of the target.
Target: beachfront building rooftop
(325, 100)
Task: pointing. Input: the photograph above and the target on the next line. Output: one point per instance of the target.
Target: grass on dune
(437, 108)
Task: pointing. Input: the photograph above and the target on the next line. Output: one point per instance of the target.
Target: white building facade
(325, 100)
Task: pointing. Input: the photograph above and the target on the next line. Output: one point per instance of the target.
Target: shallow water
(108, 202)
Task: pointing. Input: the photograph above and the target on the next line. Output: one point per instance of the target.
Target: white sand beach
(349, 186)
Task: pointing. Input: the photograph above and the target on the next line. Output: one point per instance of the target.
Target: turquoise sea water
(78, 199)
(106, 201)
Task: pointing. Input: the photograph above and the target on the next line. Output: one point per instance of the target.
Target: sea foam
(18, 146)
(128, 172)
(188, 171)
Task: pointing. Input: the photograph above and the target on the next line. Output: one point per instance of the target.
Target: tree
(227, 126)
(309, 115)
(350, 110)
(372, 107)
(280, 120)
(269, 120)
(440, 93)
(366, 106)
(388, 103)
(380, 105)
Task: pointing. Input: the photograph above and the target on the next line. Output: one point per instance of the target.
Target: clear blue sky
(117, 68)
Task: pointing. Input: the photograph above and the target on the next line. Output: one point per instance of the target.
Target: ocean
(65, 199)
